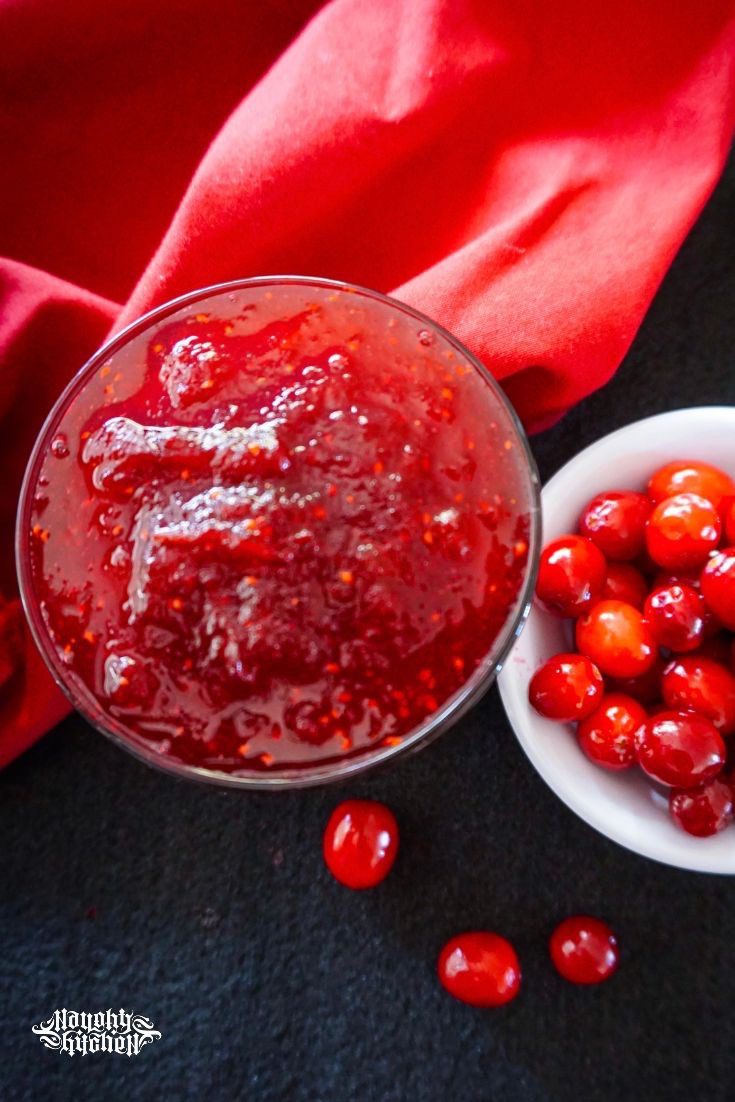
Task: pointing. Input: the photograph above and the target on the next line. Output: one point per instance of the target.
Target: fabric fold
(523, 173)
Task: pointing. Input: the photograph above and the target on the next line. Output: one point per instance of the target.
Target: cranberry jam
(277, 524)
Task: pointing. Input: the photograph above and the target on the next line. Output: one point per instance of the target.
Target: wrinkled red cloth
(522, 171)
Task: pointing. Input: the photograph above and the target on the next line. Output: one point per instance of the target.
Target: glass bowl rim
(452, 709)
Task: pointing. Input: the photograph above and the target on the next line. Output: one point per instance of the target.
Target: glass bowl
(118, 370)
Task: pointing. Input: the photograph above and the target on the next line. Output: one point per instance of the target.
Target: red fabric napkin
(522, 171)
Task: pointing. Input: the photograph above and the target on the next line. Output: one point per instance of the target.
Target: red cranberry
(616, 522)
(360, 843)
(702, 811)
(676, 577)
(717, 647)
(680, 749)
(700, 685)
(608, 735)
(682, 530)
(692, 579)
(646, 688)
(571, 575)
(480, 968)
(729, 513)
(718, 586)
(711, 624)
(690, 477)
(567, 687)
(617, 639)
(584, 950)
(648, 568)
(625, 582)
(675, 615)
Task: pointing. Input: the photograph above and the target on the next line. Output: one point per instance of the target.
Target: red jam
(280, 526)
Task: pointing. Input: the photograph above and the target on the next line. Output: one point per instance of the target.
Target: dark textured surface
(213, 915)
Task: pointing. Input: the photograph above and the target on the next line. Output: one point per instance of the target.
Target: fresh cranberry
(680, 749)
(717, 647)
(712, 626)
(567, 687)
(704, 810)
(718, 586)
(360, 843)
(682, 530)
(690, 477)
(617, 639)
(701, 685)
(625, 582)
(480, 968)
(676, 577)
(729, 515)
(584, 950)
(608, 735)
(616, 522)
(571, 576)
(675, 615)
(646, 688)
(692, 579)
(648, 568)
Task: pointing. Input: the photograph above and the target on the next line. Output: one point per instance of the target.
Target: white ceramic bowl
(622, 806)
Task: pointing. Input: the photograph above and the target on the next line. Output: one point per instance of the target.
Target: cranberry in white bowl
(618, 798)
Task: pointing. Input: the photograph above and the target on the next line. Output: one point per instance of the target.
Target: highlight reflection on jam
(282, 527)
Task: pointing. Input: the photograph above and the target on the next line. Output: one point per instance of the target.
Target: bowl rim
(518, 710)
(308, 776)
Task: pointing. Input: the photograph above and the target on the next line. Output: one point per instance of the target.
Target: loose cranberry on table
(697, 684)
(680, 749)
(584, 950)
(571, 575)
(704, 810)
(676, 615)
(607, 736)
(682, 530)
(718, 586)
(617, 639)
(567, 687)
(480, 968)
(360, 843)
(625, 582)
(692, 477)
(616, 522)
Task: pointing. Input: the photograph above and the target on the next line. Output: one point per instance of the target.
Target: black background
(211, 912)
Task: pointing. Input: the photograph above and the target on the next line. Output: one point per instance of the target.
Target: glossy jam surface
(280, 526)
